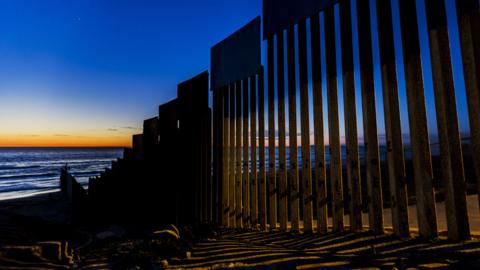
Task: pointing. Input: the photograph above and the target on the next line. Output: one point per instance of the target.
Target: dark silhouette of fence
(165, 177)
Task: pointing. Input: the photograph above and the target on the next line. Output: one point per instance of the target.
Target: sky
(87, 72)
(426, 65)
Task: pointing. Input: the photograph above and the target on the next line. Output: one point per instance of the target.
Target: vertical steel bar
(417, 115)
(238, 152)
(447, 122)
(225, 157)
(216, 151)
(282, 155)
(262, 175)
(294, 197)
(201, 176)
(350, 111)
(253, 152)
(395, 157)
(333, 122)
(233, 156)
(198, 190)
(374, 182)
(246, 156)
(220, 210)
(468, 14)
(272, 189)
(305, 128)
(208, 164)
(320, 176)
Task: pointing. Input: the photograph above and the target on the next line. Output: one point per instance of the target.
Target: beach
(31, 171)
(41, 232)
(38, 231)
(292, 135)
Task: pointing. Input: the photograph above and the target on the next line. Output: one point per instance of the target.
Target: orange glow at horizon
(64, 141)
(40, 120)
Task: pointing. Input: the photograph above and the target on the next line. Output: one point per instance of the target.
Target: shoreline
(19, 217)
(26, 196)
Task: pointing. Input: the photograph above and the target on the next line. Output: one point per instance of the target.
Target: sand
(277, 250)
(37, 232)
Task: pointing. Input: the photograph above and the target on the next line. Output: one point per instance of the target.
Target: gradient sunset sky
(87, 72)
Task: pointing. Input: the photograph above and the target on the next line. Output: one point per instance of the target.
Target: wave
(24, 194)
(87, 173)
(24, 172)
(37, 175)
(24, 187)
(19, 163)
(16, 167)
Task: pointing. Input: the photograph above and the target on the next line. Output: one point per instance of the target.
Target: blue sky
(103, 64)
(426, 64)
(98, 68)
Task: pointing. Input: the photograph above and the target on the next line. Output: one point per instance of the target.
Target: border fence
(243, 168)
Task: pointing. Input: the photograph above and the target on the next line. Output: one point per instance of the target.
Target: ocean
(31, 171)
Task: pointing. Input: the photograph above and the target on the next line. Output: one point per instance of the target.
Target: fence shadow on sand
(286, 250)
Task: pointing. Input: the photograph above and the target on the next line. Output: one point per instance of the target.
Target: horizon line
(11, 147)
